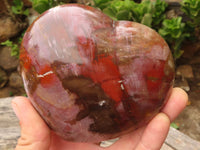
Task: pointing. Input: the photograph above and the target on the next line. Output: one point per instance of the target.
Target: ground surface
(189, 120)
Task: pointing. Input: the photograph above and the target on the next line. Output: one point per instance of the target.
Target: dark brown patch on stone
(131, 107)
(105, 121)
(97, 105)
(82, 114)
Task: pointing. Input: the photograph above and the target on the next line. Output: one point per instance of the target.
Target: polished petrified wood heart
(92, 78)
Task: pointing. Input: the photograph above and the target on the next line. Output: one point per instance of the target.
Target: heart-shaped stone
(92, 78)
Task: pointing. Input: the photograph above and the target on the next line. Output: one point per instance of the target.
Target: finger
(34, 131)
(155, 133)
(176, 103)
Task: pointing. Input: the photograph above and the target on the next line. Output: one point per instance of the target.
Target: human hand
(36, 135)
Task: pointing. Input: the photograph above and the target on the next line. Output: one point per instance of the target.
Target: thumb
(35, 134)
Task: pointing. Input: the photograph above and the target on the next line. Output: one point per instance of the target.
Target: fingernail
(163, 117)
(15, 108)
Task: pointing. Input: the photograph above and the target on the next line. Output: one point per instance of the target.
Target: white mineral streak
(45, 74)
(120, 81)
(122, 86)
(101, 103)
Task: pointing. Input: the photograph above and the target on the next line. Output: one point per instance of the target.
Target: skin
(35, 134)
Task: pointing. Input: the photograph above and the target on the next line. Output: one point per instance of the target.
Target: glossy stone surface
(92, 78)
